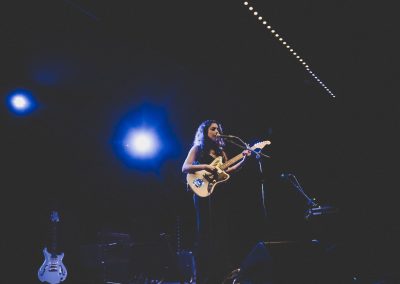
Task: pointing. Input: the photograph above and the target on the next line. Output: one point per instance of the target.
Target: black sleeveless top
(206, 158)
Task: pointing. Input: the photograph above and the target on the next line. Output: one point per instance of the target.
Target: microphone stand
(314, 209)
(258, 155)
(296, 184)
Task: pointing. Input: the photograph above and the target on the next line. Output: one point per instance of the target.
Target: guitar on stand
(53, 270)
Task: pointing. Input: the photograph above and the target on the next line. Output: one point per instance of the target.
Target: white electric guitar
(203, 182)
(53, 270)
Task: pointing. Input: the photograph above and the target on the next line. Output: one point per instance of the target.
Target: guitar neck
(231, 161)
(53, 239)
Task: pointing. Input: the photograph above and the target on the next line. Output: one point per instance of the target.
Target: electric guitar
(203, 182)
(53, 270)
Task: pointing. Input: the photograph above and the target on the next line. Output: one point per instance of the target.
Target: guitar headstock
(54, 217)
(260, 145)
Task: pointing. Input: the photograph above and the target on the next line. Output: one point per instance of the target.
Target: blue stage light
(144, 139)
(21, 102)
(142, 143)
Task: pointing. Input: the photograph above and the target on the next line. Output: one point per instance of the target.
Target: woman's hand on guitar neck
(238, 165)
(246, 153)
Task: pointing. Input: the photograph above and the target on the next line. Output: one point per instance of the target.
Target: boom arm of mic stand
(246, 147)
(315, 209)
(296, 184)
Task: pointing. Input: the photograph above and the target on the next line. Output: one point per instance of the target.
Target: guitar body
(203, 182)
(53, 270)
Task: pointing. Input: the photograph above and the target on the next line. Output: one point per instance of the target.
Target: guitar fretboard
(53, 232)
(232, 161)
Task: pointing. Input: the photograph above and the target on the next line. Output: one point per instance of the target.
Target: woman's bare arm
(189, 167)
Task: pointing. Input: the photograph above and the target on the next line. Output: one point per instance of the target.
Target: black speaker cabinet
(257, 266)
(282, 262)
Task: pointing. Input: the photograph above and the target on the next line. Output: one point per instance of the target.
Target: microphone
(225, 136)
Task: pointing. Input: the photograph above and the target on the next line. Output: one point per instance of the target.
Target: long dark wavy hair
(204, 143)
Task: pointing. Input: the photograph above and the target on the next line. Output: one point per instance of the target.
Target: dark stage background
(93, 63)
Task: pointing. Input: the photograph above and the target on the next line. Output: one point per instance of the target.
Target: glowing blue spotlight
(21, 102)
(144, 139)
(142, 143)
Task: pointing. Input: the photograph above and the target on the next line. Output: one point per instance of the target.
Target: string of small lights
(287, 46)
